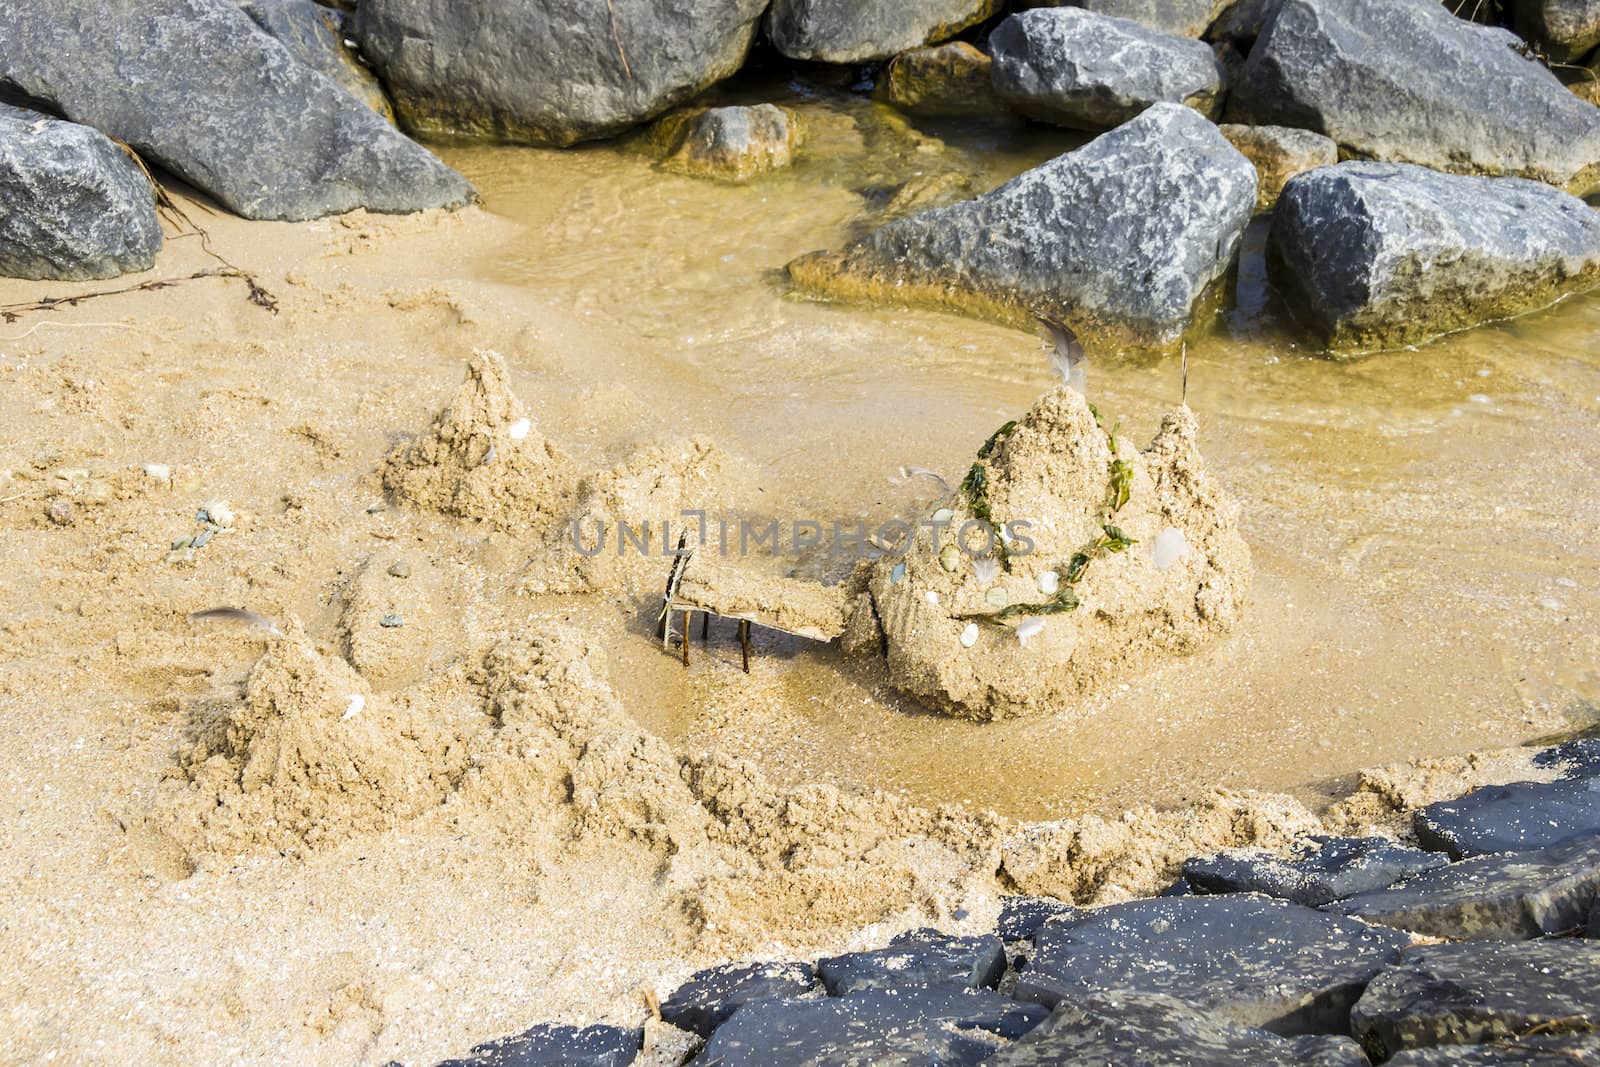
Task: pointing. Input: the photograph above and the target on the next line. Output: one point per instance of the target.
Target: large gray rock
(1578, 758)
(1405, 80)
(1465, 994)
(922, 957)
(1182, 18)
(710, 997)
(732, 143)
(1380, 255)
(195, 86)
(72, 204)
(855, 31)
(549, 1045)
(1157, 1031)
(1510, 818)
(1242, 21)
(549, 71)
(1338, 867)
(314, 35)
(1564, 29)
(1118, 239)
(1089, 71)
(1504, 897)
(1579, 1050)
(1246, 959)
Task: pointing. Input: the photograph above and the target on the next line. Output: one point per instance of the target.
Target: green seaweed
(995, 438)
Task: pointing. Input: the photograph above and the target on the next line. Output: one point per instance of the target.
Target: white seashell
(950, 558)
(357, 702)
(159, 471)
(943, 515)
(996, 598)
(969, 636)
(219, 512)
(1049, 583)
(519, 429)
(1170, 546)
(1029, 628)
(932, 598)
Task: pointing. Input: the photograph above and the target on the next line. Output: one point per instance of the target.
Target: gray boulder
(549, 71)
(315, 36)
(1505, 897)
(1336, 868)
(1510, 818)
(952, 80)
(1578, 758)
(709, 998)
(1157, 1031)
(856, 31)
(732, 143)
(1242, 21)
(72, 204)
(1245, 959)
(1088, 71)
(923, 957)
(1181, 18)
(1118, 239)
(1381, 254)
(1405, 80)
(549, 1045)
(1564, 29)
(1021, 917)
(195, 86)
(1466, 994)
(1581, 1050)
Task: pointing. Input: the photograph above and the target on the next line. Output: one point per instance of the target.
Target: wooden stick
(744, 642)
(705, 627)
(688, 617)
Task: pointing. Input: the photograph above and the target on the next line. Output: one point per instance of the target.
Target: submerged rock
(1338, 867)
(709, 998)
(1511, 818)
(549, 1045)
(550, 71)
(315, 36)
(1076, 68)
(1118, 239)
(853, 31)
(1383, 254)
(1151, 1030)
(1090, 506)
(1564, 29)
(735, 143)
(1247, 960)
(1466, 994)
(72, 204)
(924, 957)
(1504, 897)
(196, 87)
(1407, 81)
(952, 80)
(1182, 18)
(1278, 154)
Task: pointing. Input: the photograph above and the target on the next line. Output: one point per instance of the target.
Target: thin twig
(66, 325)
(611, 14)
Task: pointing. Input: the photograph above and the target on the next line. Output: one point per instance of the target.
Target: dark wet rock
(1510, 818)
(1181, 18)
(708, 998)
(1157, 1031)
(1504, 897)
(1021, 917)
(315, 35)
(548, 1045)
(922, 957)
(1335, 868)
(550, 71)
(194, 86)
(951, 80)
(1593, 929)
(1076, 68)
(855, 31)
(1381, 255)
(1582, 1050)
(1579, 758)
(1407, 81)
(72, 204)
(1245, 959)
(881, 1028)
(1279, 153)
(1466, 994)
(1242, 21)
(732, 143)
(1563, 29)
(1118, 239)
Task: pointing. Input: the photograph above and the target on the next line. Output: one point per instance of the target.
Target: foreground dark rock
(1021, 917)
(1511, 818)
(1156, 1031)
(314, 35)
(72, 204)
(194, 86)
(1578, 758)
(1504, 897)
(1407, 81)
(1465, 994)
(1182, 18)
(1582, 1050)
(1564, 29)
(1047, 242)
(1278, 154)
(1248, 960)
(558, 1046)
(732, 143)
(1340, 867)
(921, 1026)
(550, 71)
(924, 957)
(709, 998)
(849, 31)
(1382, 255)
(1092, 72)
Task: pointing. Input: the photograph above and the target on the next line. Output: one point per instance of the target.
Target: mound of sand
(1066, 560)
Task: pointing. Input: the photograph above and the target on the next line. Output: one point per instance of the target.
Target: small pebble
(1049, 583)
(391, 621)
(216, 511)
(897, 573)
(159, 471)
(996, 598)
(399, 569)
(202, 538)
(60, 512)
(519, 429)
(1550, 603)
(1170, 546)
(357, 702)
(97, 493)
(943, 515)
(950, 558)
(932, 598)
(969, 636)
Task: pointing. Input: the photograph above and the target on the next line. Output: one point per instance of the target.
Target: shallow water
(1424, 522)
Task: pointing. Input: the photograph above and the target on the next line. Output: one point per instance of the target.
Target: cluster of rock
(1351, 951)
